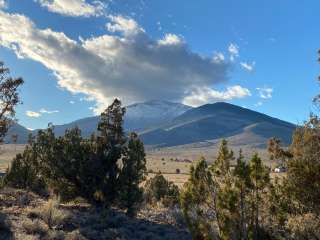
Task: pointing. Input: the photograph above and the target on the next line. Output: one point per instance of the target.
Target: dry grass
(7, 153)
(168, 160)
(81, 221)
(36, 227)
(51, 214)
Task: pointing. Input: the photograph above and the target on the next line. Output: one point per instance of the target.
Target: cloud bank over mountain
(125, 62)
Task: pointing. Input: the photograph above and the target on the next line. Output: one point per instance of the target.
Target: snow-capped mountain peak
(148, 114)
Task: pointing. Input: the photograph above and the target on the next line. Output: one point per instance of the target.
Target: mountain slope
(163, 124)
(21, 131)
(141, 116)
(220, 120)
(138, 117)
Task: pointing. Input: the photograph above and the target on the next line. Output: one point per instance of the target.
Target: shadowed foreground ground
(26, 216)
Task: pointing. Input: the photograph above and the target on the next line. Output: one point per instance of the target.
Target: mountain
(21, 131)
(212, 122)
(166, 124)
(138, 117)
(141, 116)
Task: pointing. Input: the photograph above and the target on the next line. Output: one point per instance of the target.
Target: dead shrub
(51, 214)
(306, 226)
(34, 227)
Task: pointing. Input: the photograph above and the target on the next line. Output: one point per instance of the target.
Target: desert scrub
(75, 235)
(36, 227)
(55, 235)
(51, 214)
(158, 189)
(306, 226)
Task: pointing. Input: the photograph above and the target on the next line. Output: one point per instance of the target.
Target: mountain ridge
(216, 121)
(163, 123)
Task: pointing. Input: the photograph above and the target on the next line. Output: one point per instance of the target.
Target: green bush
(159, 189)
(24, 173)
(106, 169)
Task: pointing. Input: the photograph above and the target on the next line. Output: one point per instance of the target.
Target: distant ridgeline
(163, 124)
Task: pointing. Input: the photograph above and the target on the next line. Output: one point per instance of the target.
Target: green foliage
(278, 207)
(303, 173)
(159, 189)
(110, 148)
(197, 203)
(259, 176)
(242, 184)
(67, 163)
(106, 169)
(277, 153)
(9, 98)
(219, 203)
(221, 165)
(132, 174)
(24, 172)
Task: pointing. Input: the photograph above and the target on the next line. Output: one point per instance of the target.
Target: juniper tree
(277, 153)
(110, 148)
(45, 148)
(73, 168)
(198, 203)
(21, 173)
(209, 200)
(221, 165)
(242, 183)
(132, 174)
(259, 176)
(9, 99)
(159, 189)
(303, 173)
(24, 171)
(226, 195)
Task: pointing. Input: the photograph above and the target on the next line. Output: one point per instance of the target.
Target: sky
(76, 56)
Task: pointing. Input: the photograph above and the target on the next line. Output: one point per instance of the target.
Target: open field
(7, 153)
(168, 161)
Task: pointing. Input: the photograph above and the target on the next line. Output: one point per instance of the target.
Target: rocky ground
(24, 216)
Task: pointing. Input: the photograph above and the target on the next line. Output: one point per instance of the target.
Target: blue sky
(76, 55)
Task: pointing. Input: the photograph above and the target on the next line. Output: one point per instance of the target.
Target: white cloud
(73, 8)
(218, 57)
(248, 66)
(42, 110)
(204, 95)
(265, 93)
(170, 39)
(72, 102)
(129, 64)
(125, 25)
(3, 4)
(39, 113)
(87, 99)
(233, 51)
(33, 114)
